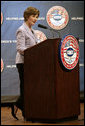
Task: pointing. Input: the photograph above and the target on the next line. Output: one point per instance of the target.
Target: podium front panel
(50, 91)
(39, 81)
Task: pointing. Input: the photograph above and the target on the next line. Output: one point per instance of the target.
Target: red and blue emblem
(69, 52)
(1, 17)
(57, 17)
(2, 65)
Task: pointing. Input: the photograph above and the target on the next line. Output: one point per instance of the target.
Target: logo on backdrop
(40, 36)
(1, 18)
(2, 65)
(69, 51)
(57, 17)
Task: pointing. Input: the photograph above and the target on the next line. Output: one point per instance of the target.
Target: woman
(26, 38)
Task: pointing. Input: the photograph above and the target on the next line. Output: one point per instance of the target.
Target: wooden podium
(50, 91)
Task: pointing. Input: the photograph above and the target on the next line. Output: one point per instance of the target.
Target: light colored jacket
(25, 39)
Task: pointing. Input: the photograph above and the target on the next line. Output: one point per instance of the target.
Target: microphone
(42, 26)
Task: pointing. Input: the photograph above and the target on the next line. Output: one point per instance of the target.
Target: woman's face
(32, 19)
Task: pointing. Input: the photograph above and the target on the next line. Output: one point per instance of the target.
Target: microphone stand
(41, 26)
(51, 32)
(54, 31)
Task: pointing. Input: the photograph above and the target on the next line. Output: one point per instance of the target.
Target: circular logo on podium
(57, 17)
(2, 65)
(1, 18)
(69, 51)
(40, 36)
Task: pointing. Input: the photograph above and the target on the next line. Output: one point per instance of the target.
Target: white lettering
(8, 41)
(81, 64)
(21, 18)
(77, 18)
(11, 66)
(81, 40)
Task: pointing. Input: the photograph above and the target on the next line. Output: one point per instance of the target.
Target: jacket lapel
(28, 30)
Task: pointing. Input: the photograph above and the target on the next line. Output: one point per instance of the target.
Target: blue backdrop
(13, 17)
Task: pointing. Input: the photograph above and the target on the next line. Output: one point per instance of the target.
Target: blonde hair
(30, 11)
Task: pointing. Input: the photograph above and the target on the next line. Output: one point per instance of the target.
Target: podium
(50, 91)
